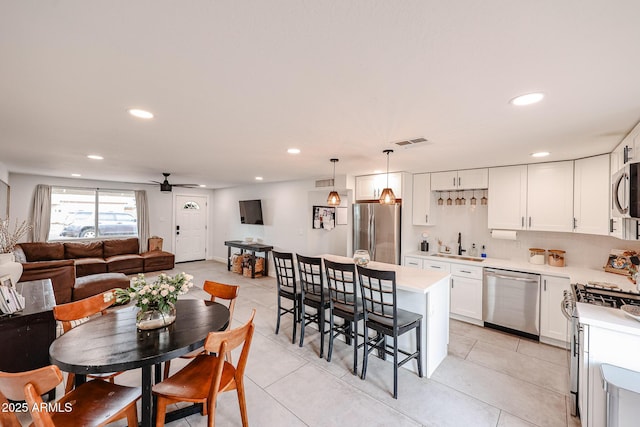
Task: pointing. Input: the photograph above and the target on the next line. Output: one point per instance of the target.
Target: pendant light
(334, 197)
(387, 197)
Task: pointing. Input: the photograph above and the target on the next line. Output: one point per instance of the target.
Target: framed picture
(324, 217)
(6, 281)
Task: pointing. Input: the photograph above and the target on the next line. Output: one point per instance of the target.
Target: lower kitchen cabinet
(553, 325)
(466, 293)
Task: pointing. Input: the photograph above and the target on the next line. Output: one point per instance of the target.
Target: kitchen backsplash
(582, 250)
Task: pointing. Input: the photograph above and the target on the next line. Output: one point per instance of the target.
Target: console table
(252, 248)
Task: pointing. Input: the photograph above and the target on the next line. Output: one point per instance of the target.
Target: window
(73, 213)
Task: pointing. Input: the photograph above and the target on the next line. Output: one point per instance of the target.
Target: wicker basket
(236, 263)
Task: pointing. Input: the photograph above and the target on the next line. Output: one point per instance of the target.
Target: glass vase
(361, 257)
(154, 318)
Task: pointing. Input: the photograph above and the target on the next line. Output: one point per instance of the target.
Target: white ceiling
(233, 84)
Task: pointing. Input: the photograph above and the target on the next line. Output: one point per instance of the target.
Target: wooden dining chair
(8, 418)
(71, 313)
(217, 291)
(95, 403)
(382, 315)
(207, 375)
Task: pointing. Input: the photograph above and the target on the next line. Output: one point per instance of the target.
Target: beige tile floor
(488, 379)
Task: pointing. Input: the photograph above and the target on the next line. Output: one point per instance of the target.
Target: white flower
(164, 293)
(144, 301)
(172, 288)
(154, 292)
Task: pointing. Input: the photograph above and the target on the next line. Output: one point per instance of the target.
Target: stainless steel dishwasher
(511, 301)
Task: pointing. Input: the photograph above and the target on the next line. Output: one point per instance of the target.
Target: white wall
(287, 213)
(161, 205)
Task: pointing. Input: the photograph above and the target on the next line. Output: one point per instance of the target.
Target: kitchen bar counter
(575, 274)
(607, 318)
(425, 292)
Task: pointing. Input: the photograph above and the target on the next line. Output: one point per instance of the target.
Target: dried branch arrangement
(8, 238)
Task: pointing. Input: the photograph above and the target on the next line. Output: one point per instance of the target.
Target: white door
(191, 228)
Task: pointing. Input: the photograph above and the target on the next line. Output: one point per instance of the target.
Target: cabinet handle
(426, 218)
(522, 222)
(459, 181)
(465, 271)
(435, 266)
(454, 180)
(575, 223)
(611, 229)
(529, 222)
(451, 283)
(545, 285)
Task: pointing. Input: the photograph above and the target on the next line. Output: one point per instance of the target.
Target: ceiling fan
(165, 186)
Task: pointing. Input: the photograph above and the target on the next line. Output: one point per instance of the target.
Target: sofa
(94, 261)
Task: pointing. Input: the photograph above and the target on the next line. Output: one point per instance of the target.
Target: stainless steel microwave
(625, 192)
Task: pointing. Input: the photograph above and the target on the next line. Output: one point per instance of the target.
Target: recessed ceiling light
(530, 98)
(259, 178)
(141, 114)
(202, 185)
(540, 154)
(95, 157)
(76, 174)
(293, 151)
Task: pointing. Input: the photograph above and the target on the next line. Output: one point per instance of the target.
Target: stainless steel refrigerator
(376, 228)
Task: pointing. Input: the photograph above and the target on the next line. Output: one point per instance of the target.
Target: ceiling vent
(324, 183)
(411, 143)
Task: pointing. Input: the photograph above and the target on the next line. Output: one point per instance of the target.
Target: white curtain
(41, 215)
(142, 207)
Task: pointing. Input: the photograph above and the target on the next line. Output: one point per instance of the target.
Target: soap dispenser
(473, 251)
(484, 252)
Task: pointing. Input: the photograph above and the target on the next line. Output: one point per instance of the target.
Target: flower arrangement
(160, 294)
(9, 239)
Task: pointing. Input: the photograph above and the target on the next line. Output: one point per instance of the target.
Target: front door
(191, 228)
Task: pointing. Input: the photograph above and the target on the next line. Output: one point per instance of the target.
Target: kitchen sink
(460, 257)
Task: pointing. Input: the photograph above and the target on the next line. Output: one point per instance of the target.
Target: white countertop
(407, 279)
(575, 274)
(608, 318)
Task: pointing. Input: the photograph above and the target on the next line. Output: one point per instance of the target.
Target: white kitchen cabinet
(369, 187)
(466, 293)
(591, 195)
(553, 324)
(428, 264)
(602, 345)
(467, 179)
(421, 199)
(507, 195)
(550, 196)
(413, 262)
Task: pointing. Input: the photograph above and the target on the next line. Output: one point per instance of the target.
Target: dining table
(113, 343)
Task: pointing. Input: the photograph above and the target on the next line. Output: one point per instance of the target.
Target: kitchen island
(425, 292)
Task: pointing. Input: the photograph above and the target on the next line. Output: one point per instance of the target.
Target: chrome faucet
(460, 250)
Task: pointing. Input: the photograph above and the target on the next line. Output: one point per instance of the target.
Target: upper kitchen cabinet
(369, 187)
(550, 196)
(628, 151)
(531, 197)
(507, 197)
(591, 195)
(421, 199)
(468, 179)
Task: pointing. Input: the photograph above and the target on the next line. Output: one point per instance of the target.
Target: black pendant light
(387, 197)
(334, 197)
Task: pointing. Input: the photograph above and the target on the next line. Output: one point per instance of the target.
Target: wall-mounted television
(251, 212)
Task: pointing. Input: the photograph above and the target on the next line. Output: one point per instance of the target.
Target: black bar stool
(341, 280)
(381, 313)
(314, 295)
(287, 288)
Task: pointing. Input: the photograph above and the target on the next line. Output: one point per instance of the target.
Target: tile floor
(488, 379)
